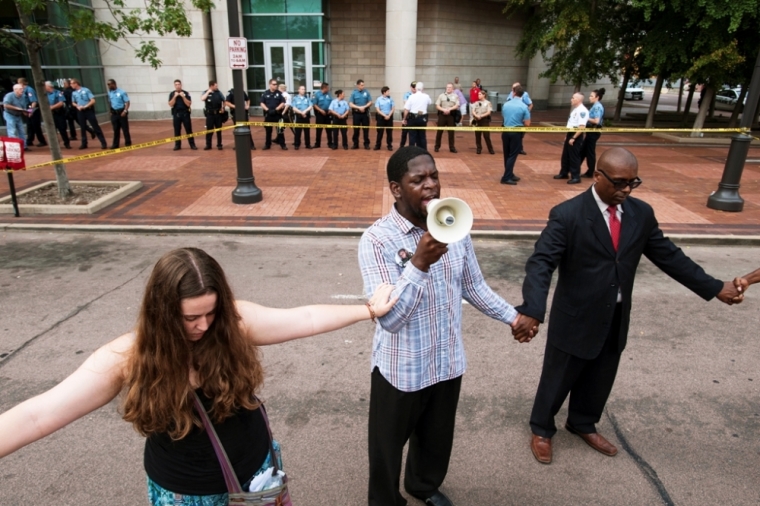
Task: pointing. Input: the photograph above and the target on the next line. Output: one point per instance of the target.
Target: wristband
(371, 312)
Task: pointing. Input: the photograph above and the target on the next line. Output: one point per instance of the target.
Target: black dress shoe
(177, 148)
(82, 147)
(490, 150)
(436, 149)
(296, 147)
(390, 148)
(376, 148)
(574, 180)
(267, 147)
(333, 147)
(67, 146)
(588, 174)
(206, 148)
(366, 147)
(284, 147)
(522, 152)
(73, 137)
(515, 178)
(42, 144)
(454, 150)
(114, 147)
(437, 499)
(561, 176)
(354, 147)
(220, 148)
(92, 134)
(508, 181)
(194, 147)
(316, 146)
(104, 146)
(478, 151)
(308, 147)
(346, 147)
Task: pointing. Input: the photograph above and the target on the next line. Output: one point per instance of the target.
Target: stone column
(538, 87)
(400, 48)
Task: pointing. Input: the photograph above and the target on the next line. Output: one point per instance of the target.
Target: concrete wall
(184, 58)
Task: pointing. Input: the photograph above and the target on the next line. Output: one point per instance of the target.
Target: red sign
(12, 153)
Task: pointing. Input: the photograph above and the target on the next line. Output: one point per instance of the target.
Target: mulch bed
(82, 195)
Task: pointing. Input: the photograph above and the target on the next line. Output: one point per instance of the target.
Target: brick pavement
(346, 189)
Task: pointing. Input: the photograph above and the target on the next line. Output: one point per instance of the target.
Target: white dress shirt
(578, 117)
(418, 103)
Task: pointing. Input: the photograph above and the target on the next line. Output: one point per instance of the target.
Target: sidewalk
(322, 188)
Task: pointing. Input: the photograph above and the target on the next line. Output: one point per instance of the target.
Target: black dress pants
(322, 119)
(382, 127)
(588, 152)
(71, 120)
(404, 135)
(120, 124)
(425, 418)
(60, 124)
(182, 118)
(445, 120)
(34, 128)
(214, 121)
(589, 383)
(571, 156)
(485, 122)
(361, 119)
(273, 117)
(306, 131)
(511, 144)
(85, 116)
(417, 137)
(332, 133)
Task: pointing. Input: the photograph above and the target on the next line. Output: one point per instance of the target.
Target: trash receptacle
(493, 97)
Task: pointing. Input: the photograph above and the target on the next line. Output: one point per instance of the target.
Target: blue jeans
(16, 127)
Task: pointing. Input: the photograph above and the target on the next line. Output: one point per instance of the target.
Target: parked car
(634, 93)
(725, 99)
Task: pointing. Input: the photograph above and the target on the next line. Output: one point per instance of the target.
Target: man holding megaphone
(417, 354)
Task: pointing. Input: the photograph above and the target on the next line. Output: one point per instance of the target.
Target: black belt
(410, 115)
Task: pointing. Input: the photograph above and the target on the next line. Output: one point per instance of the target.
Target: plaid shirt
(419, 342)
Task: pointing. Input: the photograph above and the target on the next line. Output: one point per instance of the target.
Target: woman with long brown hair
(192, 337)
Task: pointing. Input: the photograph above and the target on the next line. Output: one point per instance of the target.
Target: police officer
(119, 101)
(84, 102)
(339, 110)
(384, 114)
(404, 131)
(301, 106)
(273, 104)
(516, 114)
(571, 151)
(595, 121)
(359, 101)
(213, 110)
(71, 112)
(180, 102)
(34, 125)
(447, 103)
(58, 107)
(526, 100)
(416, 115)
(321, 102)
(230, 102)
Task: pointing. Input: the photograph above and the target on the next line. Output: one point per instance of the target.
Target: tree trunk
(738, 108)
(702, 114)
(621, 94)
(687, 107)
(711, 114)
(655, 99)
(680, 96)
(38, 78)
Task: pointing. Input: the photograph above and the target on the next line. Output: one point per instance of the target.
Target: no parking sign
(12, 153)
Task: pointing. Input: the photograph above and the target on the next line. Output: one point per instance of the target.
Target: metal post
(727, 198)
(246, 191)
(14, 201)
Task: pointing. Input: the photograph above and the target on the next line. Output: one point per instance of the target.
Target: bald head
(577, 99)
(618, 158)
(616, 175)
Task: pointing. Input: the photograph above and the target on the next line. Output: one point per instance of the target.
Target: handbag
(277, 496)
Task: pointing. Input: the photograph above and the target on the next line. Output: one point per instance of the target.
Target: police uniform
(484, 109)
(34, 125)
(417, 116)
(82, 97)
(118, 100)
(571, 153)
(361, 118)
(338, 108)
(527, 101)
(181, 117)
(303, 104)
(71, 113)
(446, 101)
(589, 143)
(213, 110)
(515, 113)
(231, 100)
(322, 101)
(56, 97)
(272, 100)
(384, 105)
(404, 131)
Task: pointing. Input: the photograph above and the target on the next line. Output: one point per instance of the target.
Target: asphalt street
(685, 410)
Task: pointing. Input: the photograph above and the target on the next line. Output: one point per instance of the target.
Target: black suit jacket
(577, 241)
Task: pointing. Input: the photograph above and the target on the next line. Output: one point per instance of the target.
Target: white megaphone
(449, 220)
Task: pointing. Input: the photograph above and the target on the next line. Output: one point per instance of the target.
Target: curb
(515, 235)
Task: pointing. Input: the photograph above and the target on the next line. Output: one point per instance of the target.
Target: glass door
(289, 63)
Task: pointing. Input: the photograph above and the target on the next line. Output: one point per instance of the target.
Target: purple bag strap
(230, 478)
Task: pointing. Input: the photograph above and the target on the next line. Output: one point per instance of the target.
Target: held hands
(733, 291)
(428, 252)
(524, 328)
(381, 301)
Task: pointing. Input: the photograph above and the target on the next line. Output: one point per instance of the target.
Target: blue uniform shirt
(339, 107)
(360, 98)
(300, 102)
(54, 97)
(596, 111)
(31, 95)
(384, 104)
(118, 97)
(82, 96)
(407, 95)
(525, 98)
(515, 112)
(322, 100)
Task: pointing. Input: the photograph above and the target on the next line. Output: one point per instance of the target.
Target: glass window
(14, 56)
(263, 6)
(265, 27)
(277, 61)
(304, 27)
(257, 53)
(303, 6)
(298, 60)
(256, 78)
(317, 53)
(93, 79)
(318, 74)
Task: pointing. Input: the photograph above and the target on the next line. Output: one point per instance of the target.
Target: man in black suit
(596, 240)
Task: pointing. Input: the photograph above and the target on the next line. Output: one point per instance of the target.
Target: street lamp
(727, 198)
(246, 191)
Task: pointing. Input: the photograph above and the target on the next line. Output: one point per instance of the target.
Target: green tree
(160, 17)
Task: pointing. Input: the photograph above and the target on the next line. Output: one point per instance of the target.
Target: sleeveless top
(189, 466)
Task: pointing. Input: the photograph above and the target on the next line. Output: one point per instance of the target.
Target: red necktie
(614, 226)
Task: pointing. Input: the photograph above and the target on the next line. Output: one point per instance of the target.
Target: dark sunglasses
(621, 184)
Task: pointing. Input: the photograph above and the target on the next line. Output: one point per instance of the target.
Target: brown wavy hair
(158, 396)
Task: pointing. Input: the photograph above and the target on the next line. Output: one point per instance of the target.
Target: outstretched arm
(266, 325)
(94, 384)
